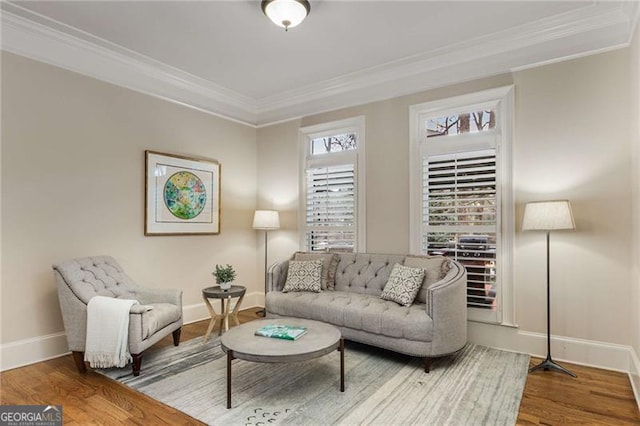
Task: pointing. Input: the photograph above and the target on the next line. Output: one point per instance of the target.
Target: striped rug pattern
(476, 386)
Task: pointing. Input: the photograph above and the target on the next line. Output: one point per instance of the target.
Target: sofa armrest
(447, 307)
(277, 275)
(147, 296)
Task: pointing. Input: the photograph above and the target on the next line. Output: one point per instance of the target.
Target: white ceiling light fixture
(286, 13)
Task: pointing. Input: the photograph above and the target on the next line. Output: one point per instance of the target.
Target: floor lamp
(548, 216)
(265, 220)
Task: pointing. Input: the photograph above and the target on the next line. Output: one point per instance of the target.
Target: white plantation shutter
(459, 216)
(330, 208)
(461, 186)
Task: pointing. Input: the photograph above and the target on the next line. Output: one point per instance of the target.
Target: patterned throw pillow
(329, 265)
(403, 285)
(303, 275)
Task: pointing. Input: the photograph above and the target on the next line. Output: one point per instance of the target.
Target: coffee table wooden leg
(341, 349)
(229, 359)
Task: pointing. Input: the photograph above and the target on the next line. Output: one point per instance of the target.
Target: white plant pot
(226, 286)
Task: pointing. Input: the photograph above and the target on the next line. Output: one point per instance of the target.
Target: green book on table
(277, 331)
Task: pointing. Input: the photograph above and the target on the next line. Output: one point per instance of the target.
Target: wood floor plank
(596, 397)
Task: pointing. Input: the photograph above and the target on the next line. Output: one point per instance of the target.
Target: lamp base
(549, 364)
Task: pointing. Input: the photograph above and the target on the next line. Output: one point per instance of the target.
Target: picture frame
(182, 195)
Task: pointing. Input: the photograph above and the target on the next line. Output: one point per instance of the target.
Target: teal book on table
(277, 331)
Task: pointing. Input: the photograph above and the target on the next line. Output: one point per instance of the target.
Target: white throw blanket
(107, 342)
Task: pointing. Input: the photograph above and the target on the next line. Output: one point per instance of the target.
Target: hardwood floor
(596, 397)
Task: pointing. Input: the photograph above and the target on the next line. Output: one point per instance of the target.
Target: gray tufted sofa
(79, 280)
(435, 325)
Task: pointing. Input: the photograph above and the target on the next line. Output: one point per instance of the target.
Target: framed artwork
(182, 195)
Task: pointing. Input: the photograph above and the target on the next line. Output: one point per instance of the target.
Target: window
(461, 194)
(332, 190)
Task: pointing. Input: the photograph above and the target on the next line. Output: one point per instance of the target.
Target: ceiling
(227, 58)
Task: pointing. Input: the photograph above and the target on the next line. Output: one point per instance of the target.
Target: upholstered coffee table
(320, 339)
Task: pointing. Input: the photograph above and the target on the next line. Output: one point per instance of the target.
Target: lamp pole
(265, 220)
(264, 311)
(548, 363)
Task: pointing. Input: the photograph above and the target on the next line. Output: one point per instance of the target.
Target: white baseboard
(634, 375)
(608, 356)
(29, 351)
(578, 351)
(198, 312)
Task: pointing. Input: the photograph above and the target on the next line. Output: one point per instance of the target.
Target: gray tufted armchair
(79, 280)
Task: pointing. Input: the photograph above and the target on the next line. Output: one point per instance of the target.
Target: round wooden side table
(225, 297)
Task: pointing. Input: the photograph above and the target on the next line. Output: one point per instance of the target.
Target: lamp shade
(286, 13)
(266, 219)
(548, 216)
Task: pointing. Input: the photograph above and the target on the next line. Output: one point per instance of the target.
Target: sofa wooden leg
(137, 362)
(427, 364)
(78, 358)
(176, 336)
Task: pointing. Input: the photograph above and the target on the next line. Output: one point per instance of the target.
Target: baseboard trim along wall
(199, 312)
(591, 353)
(634, 375)
(30, 351)
(578, 351)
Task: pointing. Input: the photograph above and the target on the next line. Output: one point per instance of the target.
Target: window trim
(501, 98)
(357, 156)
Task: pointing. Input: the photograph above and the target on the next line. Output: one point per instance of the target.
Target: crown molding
(34, 36)
(597, 27)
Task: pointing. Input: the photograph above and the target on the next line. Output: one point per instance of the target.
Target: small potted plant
(224, 276)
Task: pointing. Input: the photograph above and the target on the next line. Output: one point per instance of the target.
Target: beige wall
(571, 141)
(278, 189)
(73, 185)
(635, 118)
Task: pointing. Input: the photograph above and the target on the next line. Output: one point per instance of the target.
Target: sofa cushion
(435, 268)
(304, 275)
(403, 285)
(329, 264)
(356, 311)
(365, 273)
(160, 316)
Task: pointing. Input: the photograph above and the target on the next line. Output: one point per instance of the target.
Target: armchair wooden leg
(427, 364)
(137, 362)
(78, 358)
(176, 336)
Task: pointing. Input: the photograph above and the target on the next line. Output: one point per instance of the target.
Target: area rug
(476, 386)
